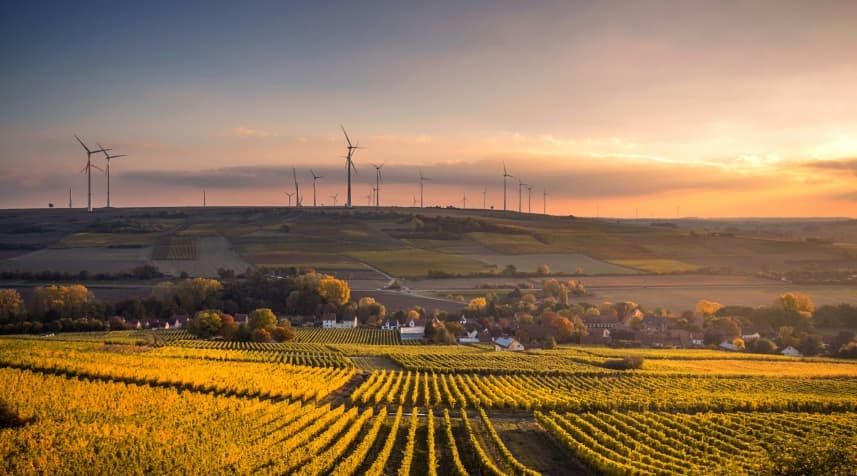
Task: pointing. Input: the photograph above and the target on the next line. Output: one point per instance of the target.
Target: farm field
(204, 259)
(559, 263)
(334, 404)
(74, 260)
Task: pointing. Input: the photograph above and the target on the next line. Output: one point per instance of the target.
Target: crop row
(607, 392)
(617, 443)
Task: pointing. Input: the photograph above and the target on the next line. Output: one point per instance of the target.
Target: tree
(477, 306)
(334, 290)
(762, 345)
(228, 327)
(543, 270)
(205, 323)
(551, 288)
(55, 302)
(370, 311)
(284, 332)
(811, 344)
(795, 302)
(262, 319)
(708, 308)
(261, 335)
(11, 305)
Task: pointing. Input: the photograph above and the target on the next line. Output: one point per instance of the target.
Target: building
(328, 321)
(597, 336)
(791, 352)
(507, 344)
(469, 338)
(413, 329)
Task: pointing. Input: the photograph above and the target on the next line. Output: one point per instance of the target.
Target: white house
(414, 329)
(332, 323)
(471, 337)
(507, 344)
(390, 325)
(752, 336)
(726, 345)
(791, 352)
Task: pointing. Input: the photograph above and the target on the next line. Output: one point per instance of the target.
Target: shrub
(625, 363)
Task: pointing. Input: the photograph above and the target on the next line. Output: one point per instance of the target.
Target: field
(335, 402)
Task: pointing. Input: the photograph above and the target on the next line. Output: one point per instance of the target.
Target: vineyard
(115, 402)
(175, 248)
(361, 336)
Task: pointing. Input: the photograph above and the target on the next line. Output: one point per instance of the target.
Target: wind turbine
(203, 198)
(335, 196)
(484, 197)
(297, 188)
(415, 201)
(314, 178)
(88, 170)
(464, 201)
(545, 202)
(422, 179)
(290, 195)
(521, 186)
(349, 164)
(529, 199)
(108, 157)
(369, 197)
(69, 197)
(378, 181)
(506, 175)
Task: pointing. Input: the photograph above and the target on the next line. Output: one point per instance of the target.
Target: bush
(625, 363)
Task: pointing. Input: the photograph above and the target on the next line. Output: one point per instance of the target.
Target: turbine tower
(335, 196)
(506, 175)
(370, 196)
(484, 198)
(314, 178)
(69, 197)
(464, 201)
(297, 188)
(529, 199)
(422, 179)
(378, 181)
(521, 186)
(203, 198)
(290, 195)
(349, 164)
(545, 202)
(88, 170)
(415, 201)
(109, 157)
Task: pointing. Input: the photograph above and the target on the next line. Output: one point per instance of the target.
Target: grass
(107, 240)
(657, 266)
(415, 262)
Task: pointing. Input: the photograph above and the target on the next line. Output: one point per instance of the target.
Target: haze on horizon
(618, 109)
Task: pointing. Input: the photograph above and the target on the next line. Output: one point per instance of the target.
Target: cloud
(848, 164)
(247, 132)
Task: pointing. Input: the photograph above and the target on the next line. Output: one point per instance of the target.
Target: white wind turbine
(506, 175)
(290, 195)
(297, 188)
(314, 179)
(521, 186)
(349, 164)
(422, 179)
(335, 197)
(88, 169)
(378, 181)
(109, 158)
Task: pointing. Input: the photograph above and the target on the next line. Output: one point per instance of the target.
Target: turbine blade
(346, 135)
(81, 143)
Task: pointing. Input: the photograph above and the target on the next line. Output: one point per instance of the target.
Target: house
(688, 339)
(600, 322)
(470, 337)
(791, 352)
(597, 337)
(242, 319)
(728, 345)
(752, 336)
(413, 329)
(328, 321)
(390, 325)
(507, 344)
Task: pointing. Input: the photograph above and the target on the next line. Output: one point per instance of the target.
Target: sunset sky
(643, 108)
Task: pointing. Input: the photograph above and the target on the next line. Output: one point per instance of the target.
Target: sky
(613, 109)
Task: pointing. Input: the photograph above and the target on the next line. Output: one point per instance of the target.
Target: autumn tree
(795, 302)
(707, 308)
(55, 302)
(205, 323)
(334, 290)
(370, 311)
(11, 305)
(262, 319)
